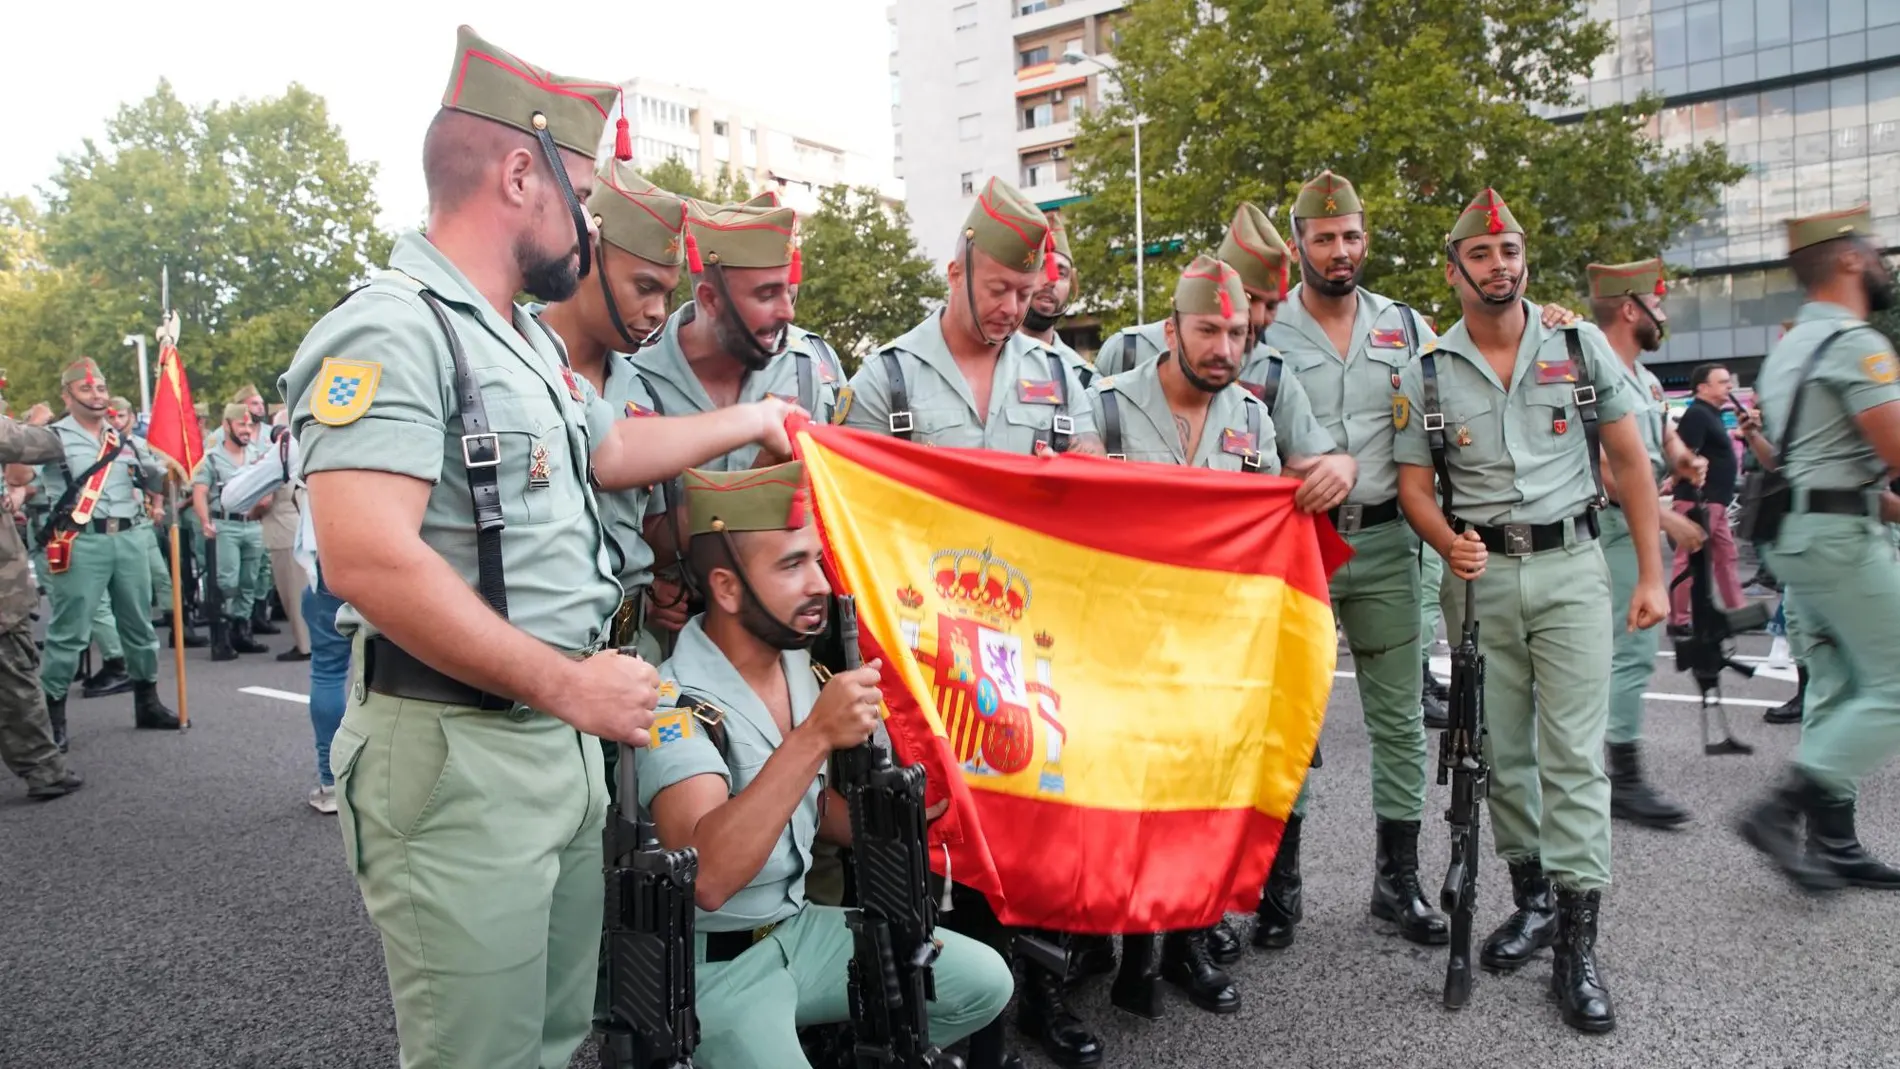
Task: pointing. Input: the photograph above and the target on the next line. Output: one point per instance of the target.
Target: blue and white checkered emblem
(343, 390)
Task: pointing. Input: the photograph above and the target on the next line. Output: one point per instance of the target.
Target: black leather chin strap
(1662, 328)
(553, 154)
(613, 307)
(1517, 287)
(969, 294)
(730, 313)
(787, 636)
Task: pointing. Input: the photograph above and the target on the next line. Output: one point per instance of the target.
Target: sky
(383, 66)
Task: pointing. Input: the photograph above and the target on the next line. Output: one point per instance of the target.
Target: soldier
(96, 546)
(1626, 301)
(240, 540)
(1828, 393)
(1515, 411)
(938, 385)
(448, 457)
(26, 736)
(111, 678)
(258, 582)
(737, 770)
(1051, 303)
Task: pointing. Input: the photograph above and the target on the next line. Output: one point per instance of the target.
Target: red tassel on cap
(797, 273)
(623, 140)
(1226, 300)
(1496, 226)
(1049, 269)
(1283, 280)
(693, 264)
(1662, 288)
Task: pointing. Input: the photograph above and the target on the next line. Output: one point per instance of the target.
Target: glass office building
(1806, 93)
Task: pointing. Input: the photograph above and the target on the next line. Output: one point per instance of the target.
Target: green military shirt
(681, 749)
(1131, 347)
(1084, 371)
(372, 389)
(1148, 430)
(1025, 397)
(1652, 411)
(218, 468)
(120, 497)
(1351, 394)
(1858, 372)
(800, 340)
(624, 511)
(1517, 455)
(680, 393)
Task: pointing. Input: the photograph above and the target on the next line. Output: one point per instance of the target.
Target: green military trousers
(265, 578)
(1431, 576)
(161, 569)
(103, 565)
(1843, 584)
(1633, 653)
(476, 840)
(240, 558)
(1375, 595)
(105, 629)
(1544, 629)
(751, 1008)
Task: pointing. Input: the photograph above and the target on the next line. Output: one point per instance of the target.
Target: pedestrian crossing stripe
(675, 727)
(343, 390)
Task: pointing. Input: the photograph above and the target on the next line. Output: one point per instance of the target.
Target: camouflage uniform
(26, 735)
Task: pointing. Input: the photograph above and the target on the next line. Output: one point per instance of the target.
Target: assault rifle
(650, 1020)
(1461, 759)
(893, 952)
(1705, 650)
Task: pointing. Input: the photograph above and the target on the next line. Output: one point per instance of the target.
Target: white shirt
(264, 475)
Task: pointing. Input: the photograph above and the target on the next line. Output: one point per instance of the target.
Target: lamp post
(1109, 66)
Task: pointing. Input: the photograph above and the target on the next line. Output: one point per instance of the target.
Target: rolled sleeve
(1865, 359)
(1296, 430)
(670, 763)
(403, 427)
(1408, 442)
(1615, 397)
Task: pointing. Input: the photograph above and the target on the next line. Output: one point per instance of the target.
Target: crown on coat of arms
(909, 597)
(979, 580)
(1044, 639)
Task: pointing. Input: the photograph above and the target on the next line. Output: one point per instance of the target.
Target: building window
(968, 128)
(1030, 7)
(963, 18)
(1072, 45)
(1030, 57)
(968, 181)
(967, 70)
(1035, 174)
(719, 128)
(1043, 114)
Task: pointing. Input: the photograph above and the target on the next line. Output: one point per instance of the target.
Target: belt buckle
(759, 934)
(112, 525)
(1063, 424)
(485, 446)
(901, 422)
(1517, 539)
(1351, 518)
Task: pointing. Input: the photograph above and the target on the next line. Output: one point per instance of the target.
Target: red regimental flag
(174, 430)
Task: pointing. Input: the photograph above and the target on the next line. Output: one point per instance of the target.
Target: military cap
(767, 198)
(1857, 221)
(1486, 214)
(494, 84)
(203, 409)
(119, 404)
(755, 499)
(1628, 280)
(1255, 249)
(735, 236)
(235, 412)
(1326, 196)
(245, 393)
(1210, 286)
(644, 222)
(81, 370)
(1008, 227)
(1060, 232)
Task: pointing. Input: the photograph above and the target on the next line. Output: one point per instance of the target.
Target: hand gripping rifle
(1705, 651)
(650, 1019)
(1461, 759)
(892, 948)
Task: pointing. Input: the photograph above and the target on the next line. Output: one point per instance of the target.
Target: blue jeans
(329, 671)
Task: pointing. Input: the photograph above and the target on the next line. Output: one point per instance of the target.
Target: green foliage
(1421, 103)
(674, 177)
(866, 282)
(257, 208)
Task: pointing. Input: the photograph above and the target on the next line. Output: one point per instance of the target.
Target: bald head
(458, 152)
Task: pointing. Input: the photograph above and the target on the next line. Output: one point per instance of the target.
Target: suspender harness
(903, 425)
(1112, 429)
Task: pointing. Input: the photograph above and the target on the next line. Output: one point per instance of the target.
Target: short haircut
(1606, 310)
(1813, 265)
(1703, 372)
(457, 152)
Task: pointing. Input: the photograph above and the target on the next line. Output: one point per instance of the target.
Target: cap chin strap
(553, 154)
(759, 354)
(1662, 328)
(781, 635)
(1181, 362)
(613, 307)
(1517, 287)
(1319, 277)
(969, 294)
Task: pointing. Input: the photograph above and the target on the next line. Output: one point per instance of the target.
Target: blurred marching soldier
(240, 540)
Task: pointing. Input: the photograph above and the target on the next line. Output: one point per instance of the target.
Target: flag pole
(168, 332)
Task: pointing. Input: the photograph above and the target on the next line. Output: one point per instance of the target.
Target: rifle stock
(1461, 760)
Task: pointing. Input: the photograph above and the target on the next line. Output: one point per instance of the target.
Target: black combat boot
(56, 715)
(150, 713)
(1528, 930)
(193, 639)
(1437, 688)
(1223, 943)
(1432, 698)
(1135, 989)
(260, 620)
(241, 639)
(1832, 841)
(46, 792)
(109, 679)
(221, 640)
(1186, 964)
(1043, 1015)
(1280, 908)
(1574, 979)
(1790, 711)
(1090, 956)
(1632, 798)
(1395, 892)
(1773, 826)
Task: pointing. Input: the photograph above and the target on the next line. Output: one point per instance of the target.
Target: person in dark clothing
(1703, 431)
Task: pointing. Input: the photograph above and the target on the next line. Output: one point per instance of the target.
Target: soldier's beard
(1880, 291)
(777, 633)
(1317, 279)
(1036, 322)
(553, 279)
(1649, 337)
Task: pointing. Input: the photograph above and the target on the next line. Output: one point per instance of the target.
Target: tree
(1421, 103)
(256, 207)
(866, 282)
(674, 177)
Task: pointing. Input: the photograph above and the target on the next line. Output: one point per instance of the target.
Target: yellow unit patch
(343, 390)
(1881, 367)
(674, 727)
(1401, 411)
(843, 407)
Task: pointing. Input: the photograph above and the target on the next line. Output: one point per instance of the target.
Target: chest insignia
(1464, 435)
(635, 410)
(1030, 392)
(573, 385)
(1388, 339)
(1656, 392)
(1237, 443)
(1549, 371)
(538, 468)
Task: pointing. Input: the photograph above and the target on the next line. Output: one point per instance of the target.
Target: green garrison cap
(1325, 196)
(1255, 249)
(1061, 231)
(736, 236)
(636, 216)
(245, 393)
(236, 413)
(1008, 227)
(1486, 214)
(81, 370)
(119, 404)
(1628, 280)
(494, 84)
(756, 499)
(1210, 287)
(766, 199)
(1857, 221)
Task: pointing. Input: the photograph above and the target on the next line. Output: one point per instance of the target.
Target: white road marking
(281, 695)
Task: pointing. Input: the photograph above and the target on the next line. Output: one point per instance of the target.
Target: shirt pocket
(1373, 384)
(1025, 425)
(1474, 423)
(946, 424)
(536, 477)
(1551, 414)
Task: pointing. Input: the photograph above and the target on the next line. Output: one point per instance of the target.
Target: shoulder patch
(846, 395)
(343, 390)
(670, 728)
(669, 693)
(1401, 411)
(1880, 367)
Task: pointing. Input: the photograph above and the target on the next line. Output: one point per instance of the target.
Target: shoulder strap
(901, 421)
(1253, 461)
(1794, 406)
(1112, 423)
(481, 459)
(827, 355)
(1128, 351)
(1270, 389)
(1062, 427)
(1433, 416)
(1585, 394)
(807, 391)
(1410, 328)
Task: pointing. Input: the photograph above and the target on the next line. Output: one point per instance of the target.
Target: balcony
(1061, 133)
(1059, 14)
(1046, 76)
(1051, 193)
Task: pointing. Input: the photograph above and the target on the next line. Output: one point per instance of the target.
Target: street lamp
(1109, 66)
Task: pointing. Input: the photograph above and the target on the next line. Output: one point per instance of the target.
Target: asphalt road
(188, 910)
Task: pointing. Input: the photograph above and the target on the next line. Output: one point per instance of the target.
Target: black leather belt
(110, 525)
(1348, 519)
(1524, 539)
(1834, 502)
(389, 669)
(233, 517)
(725, 946)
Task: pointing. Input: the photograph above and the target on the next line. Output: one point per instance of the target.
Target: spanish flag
(1117, 671)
